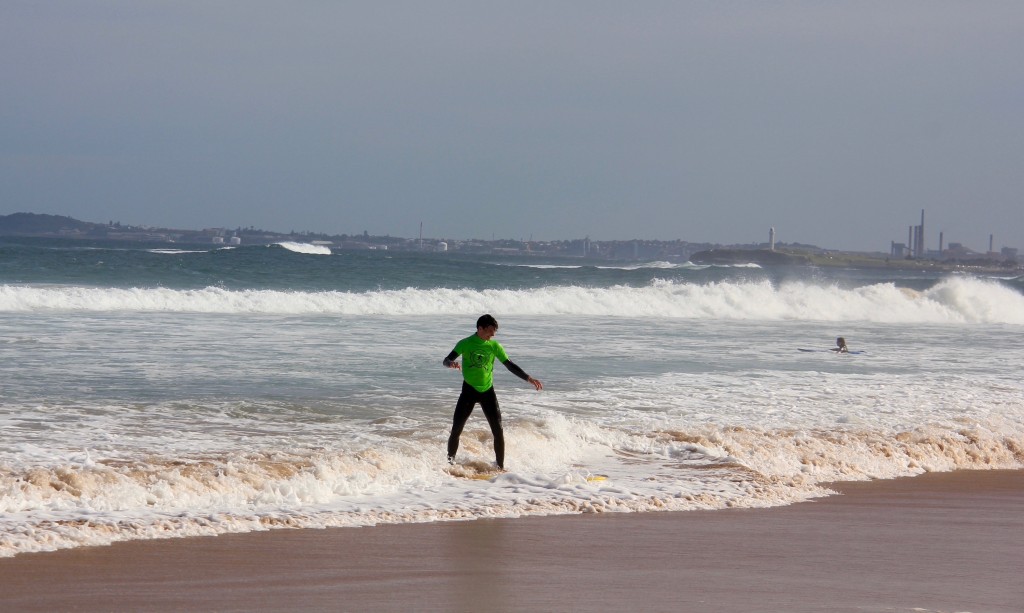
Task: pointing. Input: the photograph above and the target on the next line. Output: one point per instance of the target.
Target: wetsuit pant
(464, 407)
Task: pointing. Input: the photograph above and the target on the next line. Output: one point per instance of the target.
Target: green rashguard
(478, 362)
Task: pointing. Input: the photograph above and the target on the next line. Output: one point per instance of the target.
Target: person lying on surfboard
(478, 352)
(841, 345)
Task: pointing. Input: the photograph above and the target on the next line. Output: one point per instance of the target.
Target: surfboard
(830, 351)
(474, 469)
(477, 470)
(489, 476)
(485, 476)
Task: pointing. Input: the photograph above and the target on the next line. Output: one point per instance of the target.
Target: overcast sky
(834, 122)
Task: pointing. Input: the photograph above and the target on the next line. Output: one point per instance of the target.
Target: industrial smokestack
(920, 243)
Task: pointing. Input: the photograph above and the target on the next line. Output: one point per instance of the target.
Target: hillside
(28, 224)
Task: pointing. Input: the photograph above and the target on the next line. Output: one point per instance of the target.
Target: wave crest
(307, 248)
(953, 300)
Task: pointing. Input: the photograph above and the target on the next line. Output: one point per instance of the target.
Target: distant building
(957, 250)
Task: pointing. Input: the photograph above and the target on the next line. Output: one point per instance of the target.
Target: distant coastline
(57, 226)
(836, 259)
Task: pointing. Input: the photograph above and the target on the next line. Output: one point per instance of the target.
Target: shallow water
(150, 392)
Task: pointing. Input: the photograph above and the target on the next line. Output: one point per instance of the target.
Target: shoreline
(935, 542)
(61, 229)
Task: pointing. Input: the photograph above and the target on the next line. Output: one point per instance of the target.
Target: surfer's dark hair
(486, 321)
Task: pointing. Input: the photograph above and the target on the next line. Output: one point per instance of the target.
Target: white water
(151, 413)
(307, 248)
(954, 300)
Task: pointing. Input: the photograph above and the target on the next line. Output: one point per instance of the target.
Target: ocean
(152, 391)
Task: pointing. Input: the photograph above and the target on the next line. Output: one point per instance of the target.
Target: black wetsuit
(488, 400)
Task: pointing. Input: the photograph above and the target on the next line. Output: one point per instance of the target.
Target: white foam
(954, 300)
(307, 248)
(660, 467)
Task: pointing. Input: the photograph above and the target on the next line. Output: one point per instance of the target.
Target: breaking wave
(704, 467)
(307, 248)
(954, 300)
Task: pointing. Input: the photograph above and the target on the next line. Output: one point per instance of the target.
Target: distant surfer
(478, 353)
(841, 346)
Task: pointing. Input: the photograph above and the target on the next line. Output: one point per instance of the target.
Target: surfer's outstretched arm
(519, 372)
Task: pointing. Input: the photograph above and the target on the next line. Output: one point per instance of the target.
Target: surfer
(478, 352)
(841, 345)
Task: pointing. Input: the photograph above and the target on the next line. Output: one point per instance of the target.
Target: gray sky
(835, 122)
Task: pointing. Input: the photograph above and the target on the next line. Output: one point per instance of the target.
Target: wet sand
(939, 542)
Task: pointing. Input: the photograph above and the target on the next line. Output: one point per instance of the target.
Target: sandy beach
(938, 542)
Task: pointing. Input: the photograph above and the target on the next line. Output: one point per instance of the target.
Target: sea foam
(953, 300)
(307, 248)
(403, 481)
